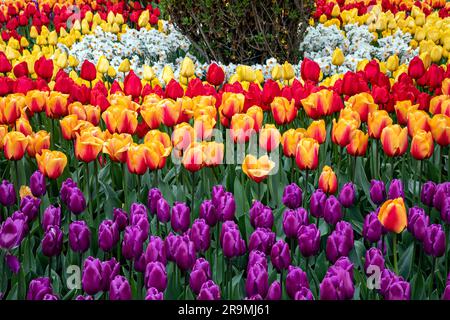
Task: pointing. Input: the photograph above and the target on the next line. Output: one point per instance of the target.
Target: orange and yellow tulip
(87, 146)
(51, 163)
(120, 120)
(257, 169)
(392, 215)
(37, 142)
(157, 155)
(14, 145)
(257, 114)
(328, 180)
(402, 109)
(241, 127)
(182, 136)
(283, 111)
(358, 144)
(24, 126)
(376, 122)
(152, 115)
(68, 125)
(193, 157)
(394, 140)
(56, 105)
(440, 129)
(171, 112)
(11, 108)
(213, 153)
(418, 120)
(290, 139)
(203, 127)
(232, 103)
(343, 130)
(269, 137)
(36, 100)
(3, 132)
(422, 145)
(317, 131)
(307, 154)
(117, 146)
(137, 158)
(440, 105)
(364, 104)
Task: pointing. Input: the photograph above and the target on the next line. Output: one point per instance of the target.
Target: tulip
(290, 139)
(337, 285)
(416, 68)
(261, 239)
(347, 195)
(422, 145)
(117, 146)
(377, 191)
(418, 120)
(332, 211)
(392, 215)
(374, 258)
(156, 251)
(292, 196)
(14, 145)
(154, 294)
(257, 281)
(51, 163)
(358, 143)
(88, 71)
(231, 241)
(30, 207)
(269, 137)
(242, 128)
(304, 294)
(338, 57)
(108, 235)
(232, 103)
(120, 218)
(38, 288)
(215, 75)
(92, 276)
(209, 291)
(37, 184)
(442, 192)
(51, 217)
(296, 279)
(418, 223)
(13, 263)
(283, 111)
(372, 228)
(208, 212)
(180, 217)
(440, 129)
(292, 220)
(52, 241)
(274, 291)
(377, 121)
(398, 290)
(132, 244)
(445, 211)
(199, 234)
(328, 181)
(56, 106)
(132, 85)
(120, 119)
(260, 216)
(308, 240)
(280, 255)
(434, 240)
(343, 131)
(396, 189)
(257, 169)
(87, 147)
(79, 236)
(317, 203)
(307, 154)
(12, 232)
(184, 254)
(340, 242)
(427, 193)
(7, 194)
(317, 131)
(119, 289)
(310, 70)
(200, 274)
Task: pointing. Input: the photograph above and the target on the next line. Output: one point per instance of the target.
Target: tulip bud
(296, 279)
(52, 241)
(392, 215)
(209, 291)
(119, 289)
(372, 228)
(308, 240)
(338, 57)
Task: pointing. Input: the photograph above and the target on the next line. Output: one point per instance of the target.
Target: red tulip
(132, 85)
(21, 70)
(5, 65)
(310, 70)
(174, 90)
(215, 75)
(44, 68)
(88, 71)
(416, 69)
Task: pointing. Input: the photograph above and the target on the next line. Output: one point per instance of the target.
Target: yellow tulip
(167, 74)
(125, 66)
(392, 63)
(187, 68)
(277, 72)
(148, 73)
(102, 65)
(338, 57)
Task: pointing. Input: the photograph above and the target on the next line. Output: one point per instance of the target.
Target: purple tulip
(120, 218)
(254, 297)
(76, 201)
(340, 242)
(398, 290)
(262, 239)
(52, 241)
(97, 275)
(434, 240)
(257, 281)
(209, 291)
(201, 272)
(427, 193)
(274, 292)
(261, 216)
(374, 257)
(387, 278)
(50, 297)
(83, 298)
(308, 240)
(231, 240)
(292, 196)
(200, 235)
(132, 244)
(343, 263)
(295, 280)
(12, 231)
(418, 222)
(51, 217)
(445, 211)
(156, 250)
(7, 193)
(119, 289)
(304, 294)
(226, 207)
(280, 255)
(30, 207)
(292, 220)
(140, 263)
(108, 235)
(208, 212)
(377, 191)
(79, 236)
(156, 276)
(154, 294)
(255, 257)
(37, 184)
(337, 285)
(152, 199)
(442, 192)
(163, 210)
(13, 263)
(317, 203)
(332, 212)
(110, 269)
(185, 254)
(396, 189)
(446, 294)
(180, 219)
(170, 244)
(217, 193)
(66, 189)
(347, 195)
(38, 288)
(372, 227)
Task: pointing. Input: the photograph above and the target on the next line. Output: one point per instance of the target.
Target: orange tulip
(14, 145)
(232, 103)
(170, 111)
(321, 103)
(68, 124)
(137, 158)
(152, 115)
(85, 112)
(348, 113)
(376, 122)
(56, 106)
(241, 127)
(204, 110)
(257, 114)
(213, 153)
(87, 146)
(317, 131)
(187, 109)
(307, 154)
(440, 105)
(418, 120)
(156, 135)
(193, 157)
(343, 130)
(422, 145)
(392, 215)
(182, 136)
(440, 129)
(11, 108)
(363, 103)
(3, 132)
(257, 169)
(328, 180)
(269, 137)
(394, 140)
(157, 155)
(203, 127)
(36, 100)
(120, 120)
(23, 125)
(117, 146)
(290, 139)
(446, 87)
(283, 111)
(358, 143)
(37, 142)
(51, 163)
(402, 108)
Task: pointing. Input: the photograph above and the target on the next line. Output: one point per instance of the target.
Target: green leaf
(406, 261)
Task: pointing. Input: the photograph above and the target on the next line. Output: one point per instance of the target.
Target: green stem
(394, 248)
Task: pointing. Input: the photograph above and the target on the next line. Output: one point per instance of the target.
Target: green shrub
(242, 31)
